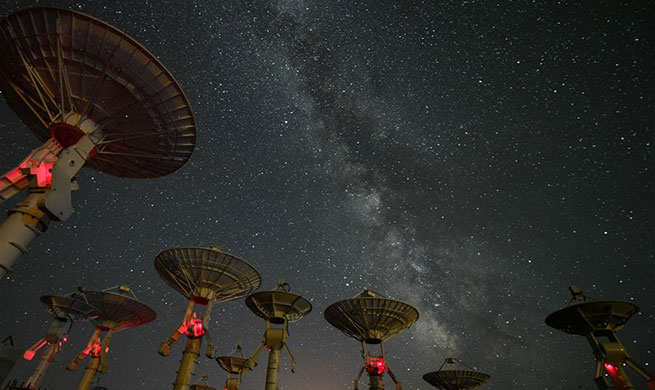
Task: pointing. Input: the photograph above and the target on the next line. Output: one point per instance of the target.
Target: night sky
(471, 158)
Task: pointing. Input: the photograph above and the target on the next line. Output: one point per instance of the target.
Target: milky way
(470, 158)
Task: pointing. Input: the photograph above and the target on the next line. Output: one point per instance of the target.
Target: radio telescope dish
(63, 69)
(206, 274)
(278, 306)
(371, 318)
(587, 317)
(96, 98)
(456, 379)
(118, 311)
(599, 322)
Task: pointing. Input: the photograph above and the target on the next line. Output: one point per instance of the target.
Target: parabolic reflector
(206, 274)
(370, 317)
(277, 306)
(233, 364)
(118, 312)
(456, 379)
(590, 316)
(60, 66)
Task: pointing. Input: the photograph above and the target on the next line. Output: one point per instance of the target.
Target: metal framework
(277, 307)
(598, 322)
(371, 318)
(96, 98)
(119, 310)
(204, 276)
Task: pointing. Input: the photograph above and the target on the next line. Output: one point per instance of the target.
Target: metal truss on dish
(372, 319)
(204, 276)
(453, 379)
(96, 98)
(598, 322)
(118, 310)
(277, 307)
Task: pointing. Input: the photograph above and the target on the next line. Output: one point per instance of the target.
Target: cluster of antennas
(110, 310)
(97, 98)
(207, 276)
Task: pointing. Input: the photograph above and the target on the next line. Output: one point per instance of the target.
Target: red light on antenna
(611, 369)
(29, 354)
(195, 327)
(376, 366)
(96, 348)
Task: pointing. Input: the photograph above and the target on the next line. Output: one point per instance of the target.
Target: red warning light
(29, 354)
(95, 348)
(31, 351)
(195, 328)
(376, 366)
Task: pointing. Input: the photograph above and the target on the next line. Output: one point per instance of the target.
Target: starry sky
(471, 158)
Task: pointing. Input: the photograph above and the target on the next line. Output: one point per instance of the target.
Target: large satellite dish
(370, 317)
(118, 309)
(97, 98)
(465, 378)
(64, 67)
(599, 322)
(204, 275)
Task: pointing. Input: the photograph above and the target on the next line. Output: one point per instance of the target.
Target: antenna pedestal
(46, 201)
(89, 373)
(273, 369)
(187, 364)
(375, 382)
(25, 222)
(232, 383)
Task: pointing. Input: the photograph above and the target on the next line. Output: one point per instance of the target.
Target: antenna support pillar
(187, 364)
(273, 369)
(375, 382)
(89, 373)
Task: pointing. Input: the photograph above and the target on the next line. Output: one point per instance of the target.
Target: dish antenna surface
(204, 276)
(598, 322)
(372, 319)
(456, 379)
(96, 98)
(277, 307)
(119, 310)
